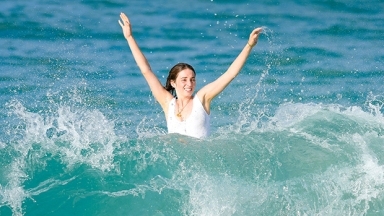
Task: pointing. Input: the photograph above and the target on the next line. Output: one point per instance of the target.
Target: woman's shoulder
(204, 101)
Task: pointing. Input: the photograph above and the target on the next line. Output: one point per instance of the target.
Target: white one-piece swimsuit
(196, 125)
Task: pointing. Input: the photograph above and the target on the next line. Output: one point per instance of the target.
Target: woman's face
(185, 83)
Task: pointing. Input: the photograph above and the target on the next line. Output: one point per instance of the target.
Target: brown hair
(173, 73)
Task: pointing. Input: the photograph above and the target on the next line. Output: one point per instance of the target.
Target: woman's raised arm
(211, 90)
(158, 91)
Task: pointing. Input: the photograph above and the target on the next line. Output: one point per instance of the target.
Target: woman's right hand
(125, 25)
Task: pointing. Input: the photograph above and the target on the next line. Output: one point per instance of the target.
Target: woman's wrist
(129, 37)
(250, 45)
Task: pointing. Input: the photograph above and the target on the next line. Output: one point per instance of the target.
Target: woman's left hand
(254, 36)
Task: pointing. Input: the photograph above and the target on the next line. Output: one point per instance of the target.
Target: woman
(186, 113)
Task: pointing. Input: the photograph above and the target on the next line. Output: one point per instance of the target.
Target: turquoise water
(299, 132)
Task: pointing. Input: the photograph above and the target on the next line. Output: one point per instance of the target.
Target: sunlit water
(299, 132)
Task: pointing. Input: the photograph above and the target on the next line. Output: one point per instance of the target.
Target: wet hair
(173, 73)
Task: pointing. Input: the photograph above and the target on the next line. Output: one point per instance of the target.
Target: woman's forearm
(139, 57)
(240, 60)
(236, 66)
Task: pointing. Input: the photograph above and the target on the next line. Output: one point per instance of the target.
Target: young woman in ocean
(185, 112)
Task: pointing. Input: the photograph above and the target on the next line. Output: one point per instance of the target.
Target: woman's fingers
(256, 31)
(124, 20)
(124, 17)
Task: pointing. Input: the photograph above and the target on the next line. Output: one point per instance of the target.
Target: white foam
(76, 135)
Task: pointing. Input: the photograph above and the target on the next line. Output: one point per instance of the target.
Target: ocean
(300, 131)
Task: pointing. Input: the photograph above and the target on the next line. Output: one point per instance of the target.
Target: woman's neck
(184, 100)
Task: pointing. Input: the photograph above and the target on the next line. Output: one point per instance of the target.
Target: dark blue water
(300, 131)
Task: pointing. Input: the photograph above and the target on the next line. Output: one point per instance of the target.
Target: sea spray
(328, 154)
(73, 137)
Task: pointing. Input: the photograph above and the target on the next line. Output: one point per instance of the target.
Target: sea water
(300, 131)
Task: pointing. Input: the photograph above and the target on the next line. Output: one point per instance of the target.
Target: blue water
(300, 131)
